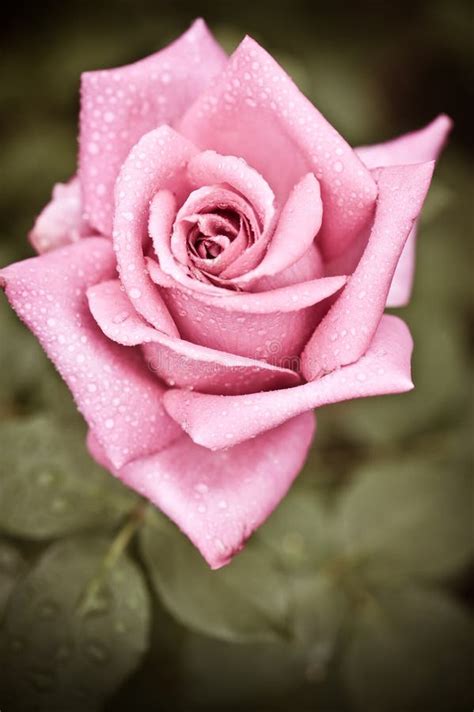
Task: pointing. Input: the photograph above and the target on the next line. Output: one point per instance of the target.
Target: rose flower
(219, 268)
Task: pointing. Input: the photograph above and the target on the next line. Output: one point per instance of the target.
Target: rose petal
(402, 281)
(229, 181)
(209, 168)
(297, 227)
(416, 147)
(307, 268)
(254, 110)
(119, 105)
(162, 217)
(60, 222)
(157, 161)
(271, 326)
(176, 361)
(219, 499)
(347, 329)
(222, 421)
(119, 398)
(200, 200)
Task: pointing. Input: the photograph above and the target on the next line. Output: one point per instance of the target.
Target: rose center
(212, 233)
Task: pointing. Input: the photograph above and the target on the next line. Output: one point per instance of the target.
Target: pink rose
(217, 270)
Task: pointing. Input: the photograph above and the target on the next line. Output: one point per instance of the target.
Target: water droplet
(135, 293)
(219, 545)
(45, 478)
(59, 504)
(109, 423)
(98, 602)
(338, 166)
(201, 488)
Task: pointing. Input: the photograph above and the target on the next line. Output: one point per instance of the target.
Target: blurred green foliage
(357, 593)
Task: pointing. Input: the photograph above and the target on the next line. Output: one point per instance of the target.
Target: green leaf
(410, 519)
(246, 600)
(55, 657)
(318, 609)
(158, 683)
(440, 374)
(22, 362)
(225, 676)
(49, 485)
(299, 531)
(295, 674)
(11, 566)
(410, 650)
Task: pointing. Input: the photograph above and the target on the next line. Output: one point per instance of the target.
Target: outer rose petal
(272, 326)
(404, 275)
(219, 499)
(347, 329)
(60, 222)
(119, 398)
(415, 147)
(177, 361)
(222, 421)
(119, 105)
(157, 161)
(254, 110)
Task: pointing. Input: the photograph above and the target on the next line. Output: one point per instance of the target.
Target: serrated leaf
(11, 566)
(49, 486)
(410, 650)
(55, 657)
(410, 519)
(246, 600)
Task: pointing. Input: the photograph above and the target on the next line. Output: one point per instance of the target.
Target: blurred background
(358, 592)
